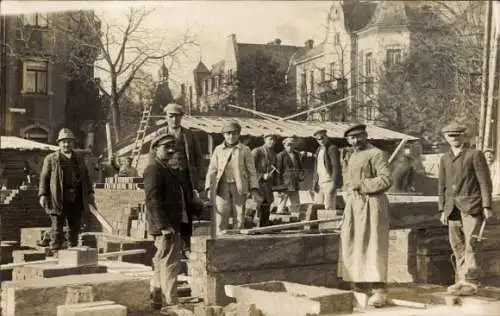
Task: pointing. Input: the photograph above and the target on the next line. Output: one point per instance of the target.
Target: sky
(208, 22)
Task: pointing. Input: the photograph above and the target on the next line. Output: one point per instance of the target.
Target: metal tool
(480, 238)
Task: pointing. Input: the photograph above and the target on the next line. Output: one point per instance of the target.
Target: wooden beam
(315, 109)
(275, 228)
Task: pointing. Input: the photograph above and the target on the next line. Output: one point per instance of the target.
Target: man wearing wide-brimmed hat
(65, 190)
(231, 177)
(265, 163)
(465, 194)
(365, 228)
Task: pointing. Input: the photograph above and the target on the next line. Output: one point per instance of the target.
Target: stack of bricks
(22, 211)
(197, 265)
(121, 183)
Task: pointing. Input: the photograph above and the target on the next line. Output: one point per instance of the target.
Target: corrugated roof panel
(13, 142)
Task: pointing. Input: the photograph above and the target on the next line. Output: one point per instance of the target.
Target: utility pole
(254, 101)
(486, 76)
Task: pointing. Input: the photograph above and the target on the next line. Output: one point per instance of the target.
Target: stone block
(435, 269)
(28, 255)
(52, 270)
(78, 256)
(201, 228)
(294, 299)
(100, 310)
(30, 235)
(41, 297)
(214, 287)
(332, 247)
(208, 311)
(241, 309)
(142, 258)
(62, 309)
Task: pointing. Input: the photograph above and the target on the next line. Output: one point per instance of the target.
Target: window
(369, 86)
(337, 39)
(213, 84)
(332, 71)
(35, 77)
(393, 57)
(369, 64)
(370, 111)
(322, 74)
(311, 81)
(36, 19)
(205, 87)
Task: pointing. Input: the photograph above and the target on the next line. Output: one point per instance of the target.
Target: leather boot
(379, 298)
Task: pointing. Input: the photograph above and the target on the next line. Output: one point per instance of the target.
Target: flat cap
(270, 135)
(489, 149)
(173, 108)
(455, 128)
(290, 139)
(355, 129)
(162, 139)
(231, 127)
(321, 132)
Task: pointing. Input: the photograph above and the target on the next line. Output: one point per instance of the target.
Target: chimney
(309, 44)
(277, 41)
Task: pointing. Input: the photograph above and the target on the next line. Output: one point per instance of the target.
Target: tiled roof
(18, 143)
(259, 127)
(310, 53)
(280, 54)
(201, 68)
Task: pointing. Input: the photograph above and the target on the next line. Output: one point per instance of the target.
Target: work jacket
(332, 165)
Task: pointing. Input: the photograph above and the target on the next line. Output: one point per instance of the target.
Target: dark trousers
(264, 211)
(72, 214)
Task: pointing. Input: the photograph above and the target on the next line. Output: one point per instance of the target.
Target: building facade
(48, 66)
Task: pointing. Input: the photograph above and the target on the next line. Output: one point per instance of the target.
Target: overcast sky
(209, 21)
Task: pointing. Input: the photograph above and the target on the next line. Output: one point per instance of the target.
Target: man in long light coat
(365, 228)
(231, 177)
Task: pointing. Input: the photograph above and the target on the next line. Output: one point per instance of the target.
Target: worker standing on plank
(265, 163)
(231, 177)
(169, 206)
(65, 190)
(365, 228)
(327, 176)
(464, 202)
(489, 154)
(290, 174)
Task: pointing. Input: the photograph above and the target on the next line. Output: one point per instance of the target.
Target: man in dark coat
(464, 202)
(290, 174)
(327, 177)
(169, 207)
(265, 164)
(65, 190)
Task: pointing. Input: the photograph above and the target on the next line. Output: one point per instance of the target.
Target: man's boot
(379, 297)
(156, 301)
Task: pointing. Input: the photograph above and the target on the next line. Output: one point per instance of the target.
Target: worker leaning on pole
(170, 206)
(365, 228)
(65, 190)
(464, 202)
(231, 177)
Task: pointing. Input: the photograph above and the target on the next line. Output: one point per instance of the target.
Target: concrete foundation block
(101, 310)
(209, 311)
(62, 309)
(52, 270)
(28, 255)
(78, 256)
(294, 299)
(30, 235)
(41, 297)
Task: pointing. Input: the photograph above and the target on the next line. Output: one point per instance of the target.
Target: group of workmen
(173, 187)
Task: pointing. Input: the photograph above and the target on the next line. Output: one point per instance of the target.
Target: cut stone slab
(30, 235)
(78, 256)
(41, 297)
(102, 310)
(52, 270)
(294, 299)
(209, 311)
(28, 255)
(62, 309)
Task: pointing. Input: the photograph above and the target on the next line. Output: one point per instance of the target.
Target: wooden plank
(275, 228)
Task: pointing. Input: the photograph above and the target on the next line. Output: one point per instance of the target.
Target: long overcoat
(365, 228)
(265, 160)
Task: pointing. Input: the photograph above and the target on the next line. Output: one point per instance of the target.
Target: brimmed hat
(454, 128)
(162, 139)
(320, 133)
(489, 149)
(173, 108)
(231, 127)
(65, 133)
(355, 129)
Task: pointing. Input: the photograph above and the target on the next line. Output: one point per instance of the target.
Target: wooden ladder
(141, 135)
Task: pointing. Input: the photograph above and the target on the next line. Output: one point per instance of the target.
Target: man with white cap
(231, 177)
(464, 203)
(365, 228)
(290, 174)
(65, 190)
(489, 154)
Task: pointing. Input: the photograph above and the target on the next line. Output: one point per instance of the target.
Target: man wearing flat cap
(231, 177)
(265, 163)
(290, 174)
(465, 190)
(327, 177)
(170, 208)
(365, 228)
(65, 190)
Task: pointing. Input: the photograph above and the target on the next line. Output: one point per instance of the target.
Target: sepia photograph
(249, 158)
